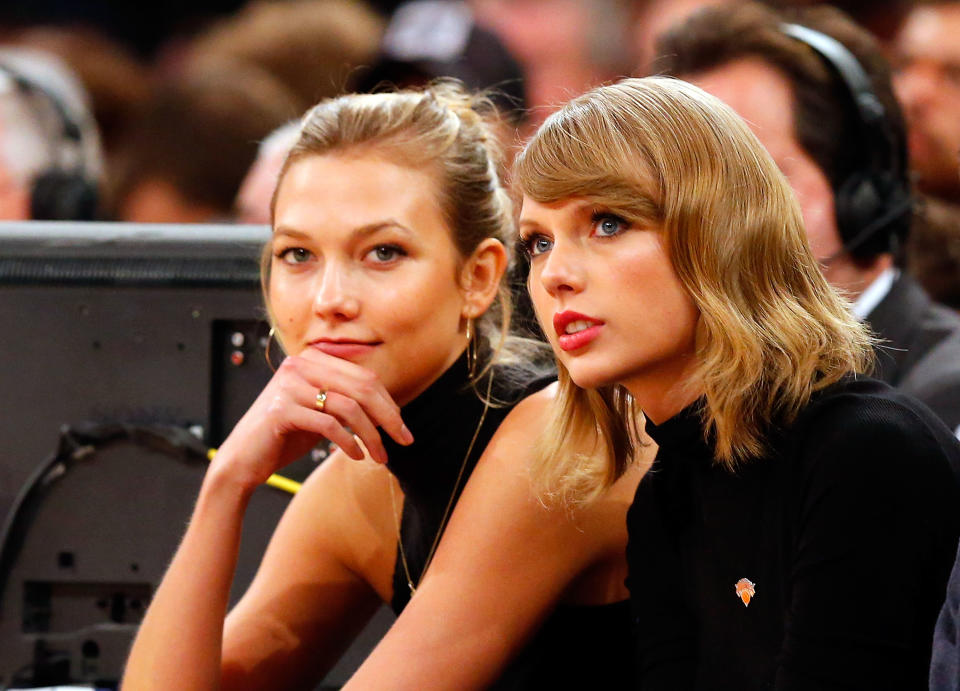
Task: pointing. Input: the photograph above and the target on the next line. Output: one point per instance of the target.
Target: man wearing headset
(50, 158)
(834, 127)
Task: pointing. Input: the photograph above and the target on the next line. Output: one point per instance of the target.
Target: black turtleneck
(576, 647)
(847, 526)
(443, 420)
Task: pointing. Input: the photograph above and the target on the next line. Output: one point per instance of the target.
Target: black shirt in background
(848, 527)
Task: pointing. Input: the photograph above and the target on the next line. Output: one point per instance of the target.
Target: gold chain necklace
(446, 512)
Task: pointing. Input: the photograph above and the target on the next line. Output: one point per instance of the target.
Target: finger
(327, 426)
(347, 411)
(358, 383)
(353, 414)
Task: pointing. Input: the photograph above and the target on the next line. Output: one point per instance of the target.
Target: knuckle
(275, 405)
(368, 380)
(352, 407)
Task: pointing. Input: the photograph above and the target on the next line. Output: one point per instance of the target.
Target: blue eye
(535, 245)
(386, 253)
(607, 225)
(294, 255)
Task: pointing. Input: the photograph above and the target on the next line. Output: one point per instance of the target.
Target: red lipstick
(589, 329)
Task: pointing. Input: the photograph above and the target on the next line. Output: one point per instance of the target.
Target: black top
(576, 647)
(847, 527)
(920, 349)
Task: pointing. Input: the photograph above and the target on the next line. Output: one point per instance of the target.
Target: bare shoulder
(345, 505)
(521, 425)
(515, 444)
(578, 550)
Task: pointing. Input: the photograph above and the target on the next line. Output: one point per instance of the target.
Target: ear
(480, 277)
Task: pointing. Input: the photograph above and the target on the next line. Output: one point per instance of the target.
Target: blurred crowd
(186, 115)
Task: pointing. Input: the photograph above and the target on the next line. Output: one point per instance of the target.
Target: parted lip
(561, 319)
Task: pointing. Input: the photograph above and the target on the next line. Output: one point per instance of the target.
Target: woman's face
(609, 300)
(364, 268)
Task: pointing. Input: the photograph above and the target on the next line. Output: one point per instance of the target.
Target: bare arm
(183, 627)
(179, 643)
(503, 564)
(327, 569)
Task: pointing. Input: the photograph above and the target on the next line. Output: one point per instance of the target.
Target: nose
(562, 270)
(335, 298)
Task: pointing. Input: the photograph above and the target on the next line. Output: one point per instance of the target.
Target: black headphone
(64, 191)
(873, 204)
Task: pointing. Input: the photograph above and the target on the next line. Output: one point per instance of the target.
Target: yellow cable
(280, 482)
(283, 483)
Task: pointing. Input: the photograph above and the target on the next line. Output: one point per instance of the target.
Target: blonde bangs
(580, 152)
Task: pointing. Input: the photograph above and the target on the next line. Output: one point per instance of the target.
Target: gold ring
(321, 400)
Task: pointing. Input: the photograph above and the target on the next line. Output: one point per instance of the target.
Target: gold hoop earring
(266, 349)
(471, 348)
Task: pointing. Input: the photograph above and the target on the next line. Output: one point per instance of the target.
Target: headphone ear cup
(62, 196)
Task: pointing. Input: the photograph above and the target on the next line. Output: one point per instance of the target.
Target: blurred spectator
(256, 191)
(118, 84)
(50, 159)
(183, 159)
(848, 170)
(933, 250)
(312, 46)
(427, 39)
(653, 17)
(928, 83)
(945, 660)
(564, 46)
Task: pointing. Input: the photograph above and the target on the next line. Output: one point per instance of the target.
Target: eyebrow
(357, 233)
(643, 209)
(579, 207)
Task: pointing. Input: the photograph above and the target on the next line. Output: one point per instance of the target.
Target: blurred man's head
(928, 84)
(184, 158)
(256, 190)
(849, 175)
(50, 160)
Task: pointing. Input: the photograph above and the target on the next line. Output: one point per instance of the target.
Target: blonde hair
(771, 330)
(442, 128)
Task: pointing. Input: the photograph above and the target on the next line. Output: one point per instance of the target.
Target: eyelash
(395, 250)
(527, 243)
(283, 254)
(599, 216)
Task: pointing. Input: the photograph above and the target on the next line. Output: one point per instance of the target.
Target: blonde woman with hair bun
(383, 281)
(798, 524)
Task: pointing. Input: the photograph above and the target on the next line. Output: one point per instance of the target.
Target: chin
(588, 377)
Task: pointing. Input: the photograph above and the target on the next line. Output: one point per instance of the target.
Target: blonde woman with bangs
(798, 524)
